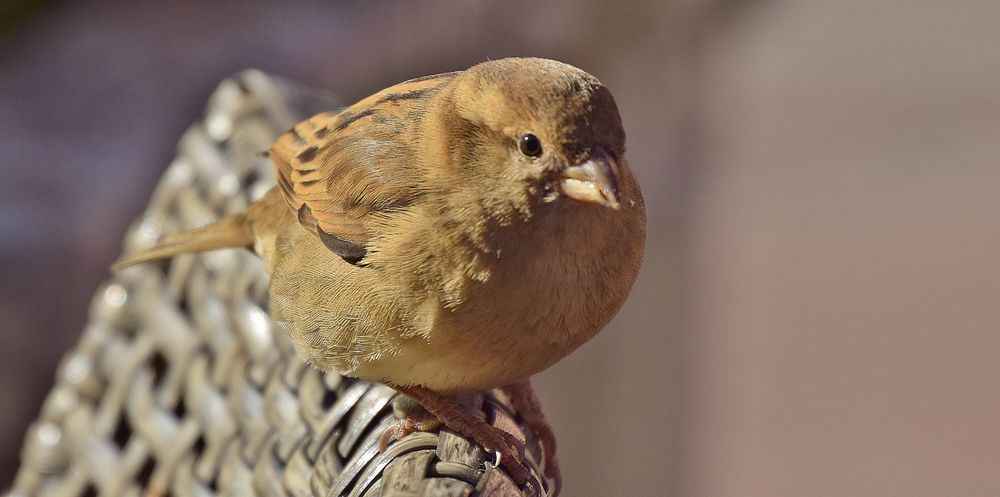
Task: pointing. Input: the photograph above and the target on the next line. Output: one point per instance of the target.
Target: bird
(452, 233)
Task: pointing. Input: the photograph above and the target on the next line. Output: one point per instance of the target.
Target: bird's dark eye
(529, 145)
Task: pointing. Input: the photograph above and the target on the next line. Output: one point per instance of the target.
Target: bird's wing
(335, 169)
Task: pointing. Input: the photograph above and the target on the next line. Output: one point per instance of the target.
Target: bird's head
(528, 132)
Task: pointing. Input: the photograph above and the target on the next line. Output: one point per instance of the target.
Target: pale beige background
(819, 309)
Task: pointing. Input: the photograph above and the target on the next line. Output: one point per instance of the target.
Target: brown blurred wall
(817, 312)
(845, 289)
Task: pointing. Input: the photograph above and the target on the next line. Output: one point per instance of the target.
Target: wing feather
(336, 169)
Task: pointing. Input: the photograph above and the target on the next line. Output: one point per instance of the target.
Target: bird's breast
(550, 290)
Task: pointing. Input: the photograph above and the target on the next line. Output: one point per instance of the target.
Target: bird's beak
(594, 181)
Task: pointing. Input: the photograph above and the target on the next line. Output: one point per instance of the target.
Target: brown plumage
(451, 233)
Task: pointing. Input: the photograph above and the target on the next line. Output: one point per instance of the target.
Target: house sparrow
(452, 233)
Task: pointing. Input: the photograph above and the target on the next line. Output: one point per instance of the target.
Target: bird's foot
(410, 417)
(459, 419)
(526, 403)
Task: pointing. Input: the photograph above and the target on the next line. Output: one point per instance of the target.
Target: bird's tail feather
(232, 231)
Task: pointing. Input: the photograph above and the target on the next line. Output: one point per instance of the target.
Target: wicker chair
(181, 386)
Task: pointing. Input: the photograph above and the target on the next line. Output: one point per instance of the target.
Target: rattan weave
(181, 385)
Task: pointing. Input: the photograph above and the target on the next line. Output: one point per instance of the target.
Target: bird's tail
(233, 231)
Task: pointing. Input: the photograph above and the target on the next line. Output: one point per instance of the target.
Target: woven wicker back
(180, 384)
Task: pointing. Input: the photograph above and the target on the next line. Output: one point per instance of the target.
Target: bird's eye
(529, 145)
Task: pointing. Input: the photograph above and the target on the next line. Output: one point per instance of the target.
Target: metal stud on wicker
(181, 385)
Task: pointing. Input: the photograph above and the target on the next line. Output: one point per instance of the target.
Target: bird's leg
(458, 418)
(526, 403)
(410, 417)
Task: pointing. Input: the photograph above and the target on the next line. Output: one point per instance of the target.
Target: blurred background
(818, 313)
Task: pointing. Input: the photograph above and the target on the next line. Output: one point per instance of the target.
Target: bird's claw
(511, 452)
(514, 444)
(528, 407)
(403, 427)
